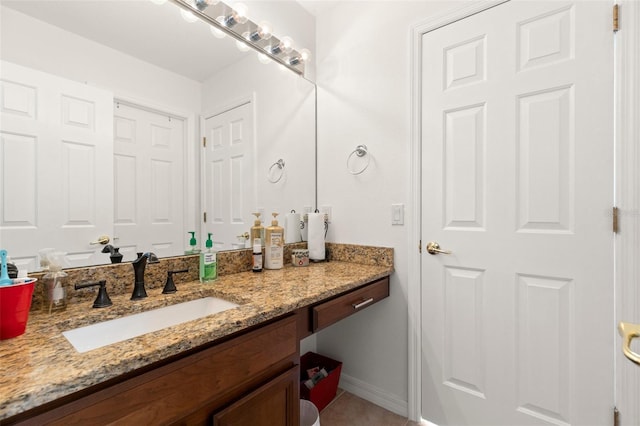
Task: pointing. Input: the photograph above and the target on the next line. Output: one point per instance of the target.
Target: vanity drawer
(332, 311)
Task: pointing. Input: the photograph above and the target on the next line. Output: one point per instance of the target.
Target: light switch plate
(397, 214)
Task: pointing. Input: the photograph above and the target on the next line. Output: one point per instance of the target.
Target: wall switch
(397, 214)
(326, 210)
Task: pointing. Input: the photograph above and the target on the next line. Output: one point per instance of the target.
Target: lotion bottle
(208, 263)
(257, 230)
(274, 245)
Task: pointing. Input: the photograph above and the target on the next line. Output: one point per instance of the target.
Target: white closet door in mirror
(56, 162)
(149, 182)
(229, 184)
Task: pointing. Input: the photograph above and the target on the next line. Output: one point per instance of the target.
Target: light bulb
(188, 16)
(285, 45)
(305, 54)
(217, 32)
(263, 32)
(242, 46)
(158, 1)
(241, 11)
(263, 58)
(238, 15)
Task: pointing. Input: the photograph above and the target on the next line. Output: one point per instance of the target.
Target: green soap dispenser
(208, 263)
(193, 244)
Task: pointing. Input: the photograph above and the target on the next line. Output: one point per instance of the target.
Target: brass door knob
(102, 239)
(434, 248)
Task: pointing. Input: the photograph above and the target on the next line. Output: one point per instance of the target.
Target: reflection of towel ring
(280, 165)
(360, 151)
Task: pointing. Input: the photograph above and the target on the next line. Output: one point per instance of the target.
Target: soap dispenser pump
(193, 244)
(274, 245)
(257, 230)
(208, 263)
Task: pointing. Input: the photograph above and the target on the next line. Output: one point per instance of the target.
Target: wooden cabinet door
(275, 403)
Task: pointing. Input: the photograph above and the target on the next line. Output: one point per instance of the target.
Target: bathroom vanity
(227, 368)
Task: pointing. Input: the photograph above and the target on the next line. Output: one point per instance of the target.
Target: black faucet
(139, 265)
(102, 300)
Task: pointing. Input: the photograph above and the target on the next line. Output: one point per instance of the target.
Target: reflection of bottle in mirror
(257, 256)
(257, 230)
(208, 263)
(193, 244)
(274, 245)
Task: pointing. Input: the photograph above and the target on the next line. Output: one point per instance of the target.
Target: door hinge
(204, 141)
(616, 416)
(614, 214)
(616, 18)
(420, 246)
(204, 217)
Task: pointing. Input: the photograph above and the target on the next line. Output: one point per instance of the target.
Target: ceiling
(318, 7)
(153, 33)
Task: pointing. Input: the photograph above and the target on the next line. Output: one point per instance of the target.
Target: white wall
(38, 45)
(363, 68)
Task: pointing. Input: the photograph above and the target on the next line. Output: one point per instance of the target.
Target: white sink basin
(105, 333)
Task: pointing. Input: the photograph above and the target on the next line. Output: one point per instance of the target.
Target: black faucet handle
(169, 286)
(102, 300)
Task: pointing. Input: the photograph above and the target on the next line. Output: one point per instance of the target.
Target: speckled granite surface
(41, 365)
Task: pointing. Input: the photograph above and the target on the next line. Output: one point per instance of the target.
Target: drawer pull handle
(362, 304)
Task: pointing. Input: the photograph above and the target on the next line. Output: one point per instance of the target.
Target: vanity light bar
(271, 46)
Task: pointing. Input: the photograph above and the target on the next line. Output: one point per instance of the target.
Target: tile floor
(348, 410)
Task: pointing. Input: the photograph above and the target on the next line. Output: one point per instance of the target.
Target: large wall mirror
(106, 106)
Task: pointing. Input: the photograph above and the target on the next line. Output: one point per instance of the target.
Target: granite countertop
(41, 365)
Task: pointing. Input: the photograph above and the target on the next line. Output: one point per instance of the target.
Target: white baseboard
(373, 394)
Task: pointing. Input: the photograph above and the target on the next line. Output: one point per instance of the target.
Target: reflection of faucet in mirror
(139, 265)
(116, 256)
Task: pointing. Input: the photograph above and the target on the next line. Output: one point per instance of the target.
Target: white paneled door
(149, 182)
(517, 182)
(55, 166)
(229, 186)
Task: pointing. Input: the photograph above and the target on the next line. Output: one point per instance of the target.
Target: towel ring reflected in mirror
(275, 174)
(360, 152)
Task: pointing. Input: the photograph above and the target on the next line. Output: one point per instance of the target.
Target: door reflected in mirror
(105, 107)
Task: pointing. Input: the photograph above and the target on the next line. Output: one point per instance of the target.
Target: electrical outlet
(326, 210)
(261, 211)
(307, 209)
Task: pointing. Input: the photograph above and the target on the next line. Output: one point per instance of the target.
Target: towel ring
(280, 165)
(360, 151)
